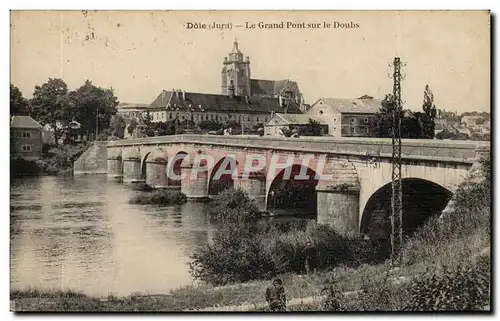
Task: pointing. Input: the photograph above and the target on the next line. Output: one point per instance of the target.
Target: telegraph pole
(397, 192)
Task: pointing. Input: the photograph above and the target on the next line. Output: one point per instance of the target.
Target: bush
(465, 287)
(233, 205)
(158, 197)
(20, 167)
(243, 249)
(142, 187)
(470, 215)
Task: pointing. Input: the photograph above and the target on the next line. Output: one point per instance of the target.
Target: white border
(190, 5)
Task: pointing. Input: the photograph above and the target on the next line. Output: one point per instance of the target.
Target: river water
(80, 233)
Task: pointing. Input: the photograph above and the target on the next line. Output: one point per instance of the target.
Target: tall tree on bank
(18, 104)
(429, 115)
(50, 104)
(382, 125)
(93, 107)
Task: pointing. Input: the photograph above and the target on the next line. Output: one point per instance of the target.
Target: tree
(117, 126)
(50, 104)
(18, 104)
(210, 125)
(313, 128)
(410, 122)
(93, 107)
(382, 125)
(429, 109)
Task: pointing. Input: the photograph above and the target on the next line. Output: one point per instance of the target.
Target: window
(169, 115)
(183, 117)
(257, 118)
(26, 134)
(367, 130)
(212, 116)
(352, 119)
(248, 119)
(352, 130)
(335, 120)
(26, 148)
(366, 120)
(321, 112)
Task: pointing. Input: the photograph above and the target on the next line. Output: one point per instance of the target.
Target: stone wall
(93, 160)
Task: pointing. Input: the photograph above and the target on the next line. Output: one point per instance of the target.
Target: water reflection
(81, 233)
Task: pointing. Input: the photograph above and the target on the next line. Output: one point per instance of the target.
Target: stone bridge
(353, 191)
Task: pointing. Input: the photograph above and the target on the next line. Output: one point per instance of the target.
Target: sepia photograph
(250, 161)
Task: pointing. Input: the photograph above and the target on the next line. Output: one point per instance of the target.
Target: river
(80, 233)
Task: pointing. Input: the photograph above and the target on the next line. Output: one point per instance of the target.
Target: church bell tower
(235, 73)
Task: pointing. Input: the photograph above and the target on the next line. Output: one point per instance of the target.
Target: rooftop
(350, 106)
(199, 102)
(294, 119)
(24, 122)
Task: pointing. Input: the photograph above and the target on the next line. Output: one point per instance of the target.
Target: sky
(140, 53)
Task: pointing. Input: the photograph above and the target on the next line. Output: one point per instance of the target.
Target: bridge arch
(222, 175)
(422, 199)
(293, 189)
(143, 166)
(174, 167)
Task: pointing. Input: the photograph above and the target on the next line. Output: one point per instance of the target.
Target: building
(132, 110)
(236, 80)
(245, 102)
(471, 121)
(346, 117)
(26, 138)
(279, 122)
(247, 111)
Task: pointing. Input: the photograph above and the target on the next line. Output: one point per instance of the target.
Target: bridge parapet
(431, 150)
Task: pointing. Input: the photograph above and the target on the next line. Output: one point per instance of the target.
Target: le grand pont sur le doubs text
(274, 25)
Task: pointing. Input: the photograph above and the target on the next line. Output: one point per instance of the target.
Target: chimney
(177, 93)
(247, 59)
(183, 95)
(280, 100)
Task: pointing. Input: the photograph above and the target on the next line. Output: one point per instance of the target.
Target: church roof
(268, 87)
(220, 103)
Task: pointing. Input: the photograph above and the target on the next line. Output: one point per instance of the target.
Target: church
(248, 102)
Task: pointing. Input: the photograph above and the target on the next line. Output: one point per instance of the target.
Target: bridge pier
(132, 170)
(115, 168)
(195, 188)
(338, 206)
(156, 172)
(255, 186)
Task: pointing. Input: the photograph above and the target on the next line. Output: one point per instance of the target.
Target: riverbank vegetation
(158, 197)
(447, 265)
(56, 160)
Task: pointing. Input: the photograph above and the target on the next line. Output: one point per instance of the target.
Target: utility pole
(397, 192)
(96, 123)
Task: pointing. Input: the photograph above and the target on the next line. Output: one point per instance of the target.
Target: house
(132, 110)
(26, 138)
(277, 123)
(73, 130)
(471, 121)
(346, 117)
